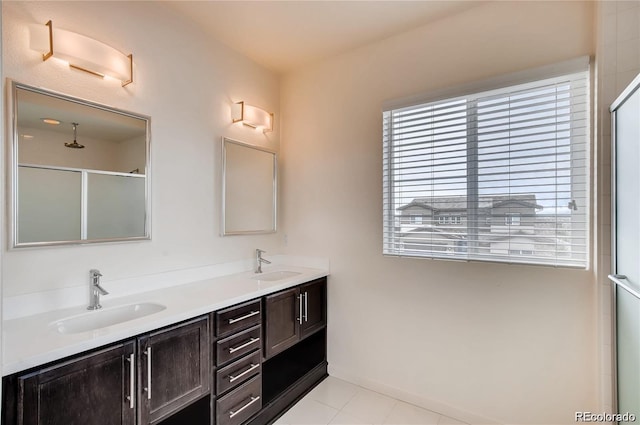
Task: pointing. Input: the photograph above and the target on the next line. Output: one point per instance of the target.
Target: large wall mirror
(249, 182)
(79, 170)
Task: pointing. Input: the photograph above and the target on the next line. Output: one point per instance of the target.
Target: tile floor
(335, 401)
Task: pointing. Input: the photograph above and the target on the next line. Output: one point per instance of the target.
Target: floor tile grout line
(395, 403)
(334, 416)
(333, 407)
(361, 388)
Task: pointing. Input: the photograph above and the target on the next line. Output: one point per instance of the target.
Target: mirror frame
(12, 169)
(274, 226)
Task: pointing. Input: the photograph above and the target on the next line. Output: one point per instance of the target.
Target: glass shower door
(626, 247)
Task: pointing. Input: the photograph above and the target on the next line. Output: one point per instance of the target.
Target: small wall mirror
(79, 170)
(249, 182)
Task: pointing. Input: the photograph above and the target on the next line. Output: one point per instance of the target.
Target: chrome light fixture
(81, 52)
(252, 116)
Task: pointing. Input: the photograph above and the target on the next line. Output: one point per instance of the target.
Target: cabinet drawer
(240, 404)
(238, 372)
(237, 318)
(238, 345)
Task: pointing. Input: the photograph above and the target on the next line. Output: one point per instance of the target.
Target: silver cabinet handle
(253, 400)
(238, 319)
(251, 369)
(132, 384)
(300, 309)
(246, 344)
(306, 306)
(148, 389)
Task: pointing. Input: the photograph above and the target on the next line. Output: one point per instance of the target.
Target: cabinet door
(174, 369)
(93, 389)
(314, 296)
(282, 321)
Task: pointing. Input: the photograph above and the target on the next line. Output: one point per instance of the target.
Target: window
(520, 252)
(512, 219)
(513, 161)
(449, 219)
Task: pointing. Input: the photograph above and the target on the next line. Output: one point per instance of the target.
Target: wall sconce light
(81, 52)
(252, 116)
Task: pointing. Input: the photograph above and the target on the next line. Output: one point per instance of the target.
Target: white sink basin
(273, 276)
(92, 320)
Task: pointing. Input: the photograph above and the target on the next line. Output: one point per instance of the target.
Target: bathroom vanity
(228, 350)
(257, 350)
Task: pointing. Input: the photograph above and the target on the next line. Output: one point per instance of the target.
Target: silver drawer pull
(148, 388)
(306, 306)
(253, 400)
(238, 319)
(251, 369)
(246, 344)
(132, 382)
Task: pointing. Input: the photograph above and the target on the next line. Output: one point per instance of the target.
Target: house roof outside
(432, 229)
(459, 202)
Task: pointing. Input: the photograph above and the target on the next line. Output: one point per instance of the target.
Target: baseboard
(415, 399)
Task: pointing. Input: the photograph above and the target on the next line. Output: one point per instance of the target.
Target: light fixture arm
(48, 54)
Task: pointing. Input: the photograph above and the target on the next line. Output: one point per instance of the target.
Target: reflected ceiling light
(81, 52)
(252, 116)
(51, 121)
(27, 136)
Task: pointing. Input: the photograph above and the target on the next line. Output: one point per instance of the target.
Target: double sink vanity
(229, 350)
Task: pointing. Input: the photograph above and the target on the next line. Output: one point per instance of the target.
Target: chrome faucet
(260, 260)
(96, 290)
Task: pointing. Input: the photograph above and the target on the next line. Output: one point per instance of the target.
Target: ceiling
(99, 123)
(285, 35)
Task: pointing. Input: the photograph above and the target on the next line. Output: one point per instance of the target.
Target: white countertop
(32, 341)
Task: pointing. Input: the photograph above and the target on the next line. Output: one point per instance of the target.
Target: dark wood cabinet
(238, 379)
(314, 303)
(295, 347)
(282, 321)
(237, 345)
(154, 375)
(240, 404)
(293, 314)
(174, 370)
(95, 389)
(237, 318)
(245, 364)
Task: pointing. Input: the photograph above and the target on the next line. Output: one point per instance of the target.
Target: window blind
(499, 175)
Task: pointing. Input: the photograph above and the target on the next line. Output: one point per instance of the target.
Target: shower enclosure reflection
(79, 170)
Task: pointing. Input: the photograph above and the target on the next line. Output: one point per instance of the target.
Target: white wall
(618, 53)
(186, 84)
(512, 344)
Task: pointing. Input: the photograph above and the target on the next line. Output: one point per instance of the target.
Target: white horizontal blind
(495, 176)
